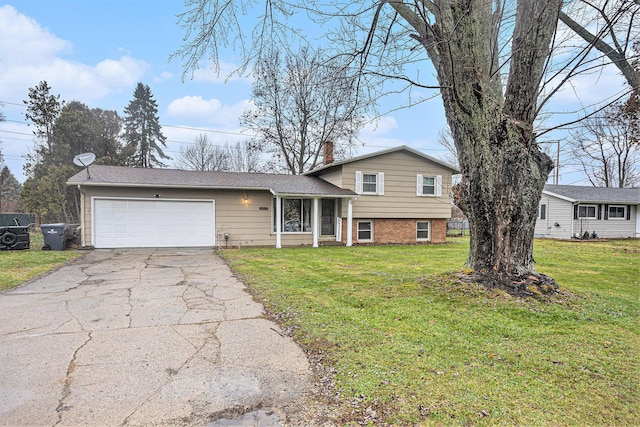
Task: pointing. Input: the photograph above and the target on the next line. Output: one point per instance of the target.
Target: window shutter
(575, 211)
(628, 212)
(359, 182)
(419, 185)
(606, 211)
(439, 185)
(599, 211)
(543, 211)
(381, 183)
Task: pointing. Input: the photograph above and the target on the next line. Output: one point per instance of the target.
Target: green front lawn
(19, 266)
(409, 345)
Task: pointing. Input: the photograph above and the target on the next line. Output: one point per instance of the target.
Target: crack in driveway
(153, 336)
(66, 389)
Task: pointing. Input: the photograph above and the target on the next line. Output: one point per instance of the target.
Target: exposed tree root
(532, 285)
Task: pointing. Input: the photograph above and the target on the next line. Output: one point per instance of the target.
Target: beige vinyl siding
(333, 176)
(400, 199)
(246, 223)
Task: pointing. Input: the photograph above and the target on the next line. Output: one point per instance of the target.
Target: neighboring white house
(568, 211)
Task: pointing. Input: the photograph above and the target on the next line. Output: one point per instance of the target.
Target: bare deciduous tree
(607, 147)
(610, 27)
(445, 139)
(203, 156)
(492, 60)
(302, 100)
(245, 157)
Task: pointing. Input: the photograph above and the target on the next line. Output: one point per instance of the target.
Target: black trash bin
(56, 236)
(14, 238)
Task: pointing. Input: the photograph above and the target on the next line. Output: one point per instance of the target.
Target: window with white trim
(429, 185)
(423, 232)
(370, 183)
(587, 211)
(295, 215)
(617, 212)
(365, 231)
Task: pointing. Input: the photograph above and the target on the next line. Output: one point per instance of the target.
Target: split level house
(569, 211)
(398, 195)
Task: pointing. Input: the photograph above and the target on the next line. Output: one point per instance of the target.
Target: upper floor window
(429, 185)
(370, 183)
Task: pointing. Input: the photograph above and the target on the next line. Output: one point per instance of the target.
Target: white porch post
(278, 223)
(349, 222)
(314, 225)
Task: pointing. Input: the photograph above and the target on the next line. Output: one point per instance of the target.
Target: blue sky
(97, 51)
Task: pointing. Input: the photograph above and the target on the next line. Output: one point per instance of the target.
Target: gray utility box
(56, 236)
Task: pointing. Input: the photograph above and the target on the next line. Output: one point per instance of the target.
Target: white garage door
(151, 223)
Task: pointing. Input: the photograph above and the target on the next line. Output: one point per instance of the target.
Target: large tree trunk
(503, 170)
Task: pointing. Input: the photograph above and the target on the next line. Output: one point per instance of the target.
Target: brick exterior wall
(397, 231)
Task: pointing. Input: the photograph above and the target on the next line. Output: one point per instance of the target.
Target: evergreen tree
(43, 109)
(9, 192)
(75, 129)
(142, 130)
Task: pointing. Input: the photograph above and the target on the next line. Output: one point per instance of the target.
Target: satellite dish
(84, 159)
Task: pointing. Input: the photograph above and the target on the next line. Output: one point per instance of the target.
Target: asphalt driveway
(143, 337)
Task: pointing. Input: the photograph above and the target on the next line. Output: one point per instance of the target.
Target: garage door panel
(153, 223)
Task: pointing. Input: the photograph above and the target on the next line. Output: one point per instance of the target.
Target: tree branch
(617, 58)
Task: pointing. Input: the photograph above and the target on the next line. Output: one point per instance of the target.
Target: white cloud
(24, 41)
(381, 126)
(210, 110)
(34, 54)
(165, 75)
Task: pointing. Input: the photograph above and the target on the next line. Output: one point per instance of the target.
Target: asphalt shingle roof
(120, 176)
(596, 194)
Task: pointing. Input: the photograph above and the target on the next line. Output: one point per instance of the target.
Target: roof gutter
(204, 187)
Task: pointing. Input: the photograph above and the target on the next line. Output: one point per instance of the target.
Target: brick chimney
(327, 155)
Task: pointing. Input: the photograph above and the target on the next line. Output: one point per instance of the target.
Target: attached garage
(124, 207)
(140, 223)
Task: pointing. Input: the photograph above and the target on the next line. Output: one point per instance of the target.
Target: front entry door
(328, 218)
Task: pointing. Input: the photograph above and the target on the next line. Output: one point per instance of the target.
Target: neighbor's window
(296, 215)
(543, 211)
(365, 231)
(369, 183)
(422, 230)
(586, 211)
(617, 212)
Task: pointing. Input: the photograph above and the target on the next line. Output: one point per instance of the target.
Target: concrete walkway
(143, 337)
